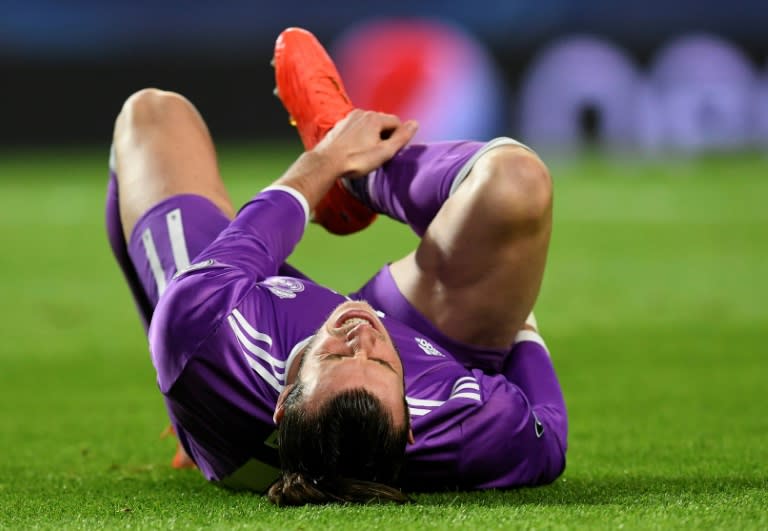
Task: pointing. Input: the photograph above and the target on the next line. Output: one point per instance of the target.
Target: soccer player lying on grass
(273, 382)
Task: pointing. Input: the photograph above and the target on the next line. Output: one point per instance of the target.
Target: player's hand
(359, 143)
(365, 140)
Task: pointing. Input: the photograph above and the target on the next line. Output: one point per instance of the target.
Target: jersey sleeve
(492, 433)
(262, 235)
(511, 442)
(198, 299)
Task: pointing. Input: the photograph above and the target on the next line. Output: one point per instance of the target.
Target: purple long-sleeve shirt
(223, 334)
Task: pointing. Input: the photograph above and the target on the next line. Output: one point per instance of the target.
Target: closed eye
(337, 356)
(385, 364)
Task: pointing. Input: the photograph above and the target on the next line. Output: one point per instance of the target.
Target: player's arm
(496, 431)
(267, 228)
(524, 411)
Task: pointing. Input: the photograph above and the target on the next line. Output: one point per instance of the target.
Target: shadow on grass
(600, 491)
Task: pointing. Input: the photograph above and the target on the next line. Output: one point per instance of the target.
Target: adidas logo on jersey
(427, 347)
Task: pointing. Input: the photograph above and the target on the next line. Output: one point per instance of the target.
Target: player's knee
(152, 108)
(516, 184)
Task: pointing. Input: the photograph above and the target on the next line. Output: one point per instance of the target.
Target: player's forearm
(312, 175)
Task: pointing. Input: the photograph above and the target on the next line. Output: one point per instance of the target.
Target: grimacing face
(352, 349)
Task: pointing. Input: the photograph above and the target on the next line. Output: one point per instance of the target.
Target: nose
(362, 338)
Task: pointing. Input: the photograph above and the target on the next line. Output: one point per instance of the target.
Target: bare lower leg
(163, 148)
(478, 269)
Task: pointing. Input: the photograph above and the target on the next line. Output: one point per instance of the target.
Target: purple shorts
(169, 236)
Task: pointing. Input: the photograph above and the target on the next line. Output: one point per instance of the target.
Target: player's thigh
(477, 271)
(163, 148)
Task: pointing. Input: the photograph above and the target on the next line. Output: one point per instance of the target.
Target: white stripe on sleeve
(473, 396)
(255, 334)
(264, 373)
(466, 385)
(423, 402)
(254, 349)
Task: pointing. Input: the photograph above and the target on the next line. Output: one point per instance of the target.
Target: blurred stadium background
(690, 74)
(654, 119)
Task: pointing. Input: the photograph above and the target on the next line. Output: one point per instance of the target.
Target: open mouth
(355, 321)
(356, 317)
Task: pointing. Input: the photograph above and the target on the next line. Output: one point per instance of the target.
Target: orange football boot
(180, 459)
(311, 90)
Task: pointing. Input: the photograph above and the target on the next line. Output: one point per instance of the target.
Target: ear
(280, 406)
(411, 440)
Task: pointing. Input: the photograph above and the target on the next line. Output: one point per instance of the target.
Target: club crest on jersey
(284, 287)
(427, 347)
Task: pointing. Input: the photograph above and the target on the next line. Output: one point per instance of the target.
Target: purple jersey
(228, 325)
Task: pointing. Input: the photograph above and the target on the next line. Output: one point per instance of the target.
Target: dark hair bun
(295, 489)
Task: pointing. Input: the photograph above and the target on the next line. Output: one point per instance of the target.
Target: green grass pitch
(655, 307)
